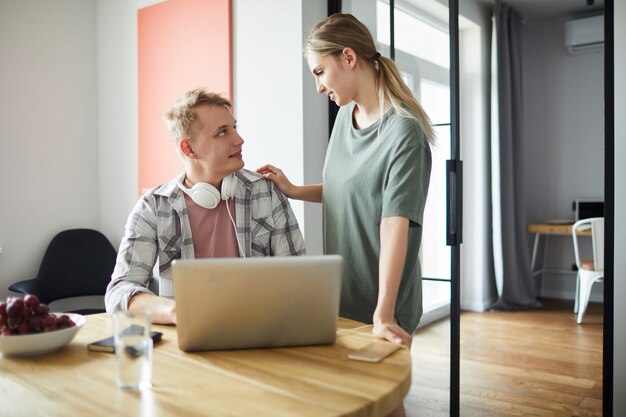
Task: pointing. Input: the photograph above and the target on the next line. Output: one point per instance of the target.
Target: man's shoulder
(262, 190)
(160, 197)
(166, 189)
(256, 183)
(248, 177)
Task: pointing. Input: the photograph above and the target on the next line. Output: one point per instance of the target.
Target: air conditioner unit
(584, 34)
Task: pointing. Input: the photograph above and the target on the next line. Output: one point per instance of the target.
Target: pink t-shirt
(212, 230)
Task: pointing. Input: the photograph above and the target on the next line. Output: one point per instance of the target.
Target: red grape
(15, 307)
(31, 301)
(23, 328)
(42, 310)
(36, 324)
(14, 322)
(29, 316)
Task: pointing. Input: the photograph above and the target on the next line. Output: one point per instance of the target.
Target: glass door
(425, 67)
(422, 37)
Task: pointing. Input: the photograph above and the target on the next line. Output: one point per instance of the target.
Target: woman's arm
(311, 193)
(394, 233)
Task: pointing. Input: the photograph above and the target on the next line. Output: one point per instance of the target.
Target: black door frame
(609, 211)
(455, 212)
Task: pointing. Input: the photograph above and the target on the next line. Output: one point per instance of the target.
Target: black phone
(108, 344)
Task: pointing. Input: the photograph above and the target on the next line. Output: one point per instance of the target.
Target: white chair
(589, 270)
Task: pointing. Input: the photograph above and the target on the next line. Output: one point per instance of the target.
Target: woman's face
(333, 77)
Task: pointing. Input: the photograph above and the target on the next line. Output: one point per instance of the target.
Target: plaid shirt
(158, 230)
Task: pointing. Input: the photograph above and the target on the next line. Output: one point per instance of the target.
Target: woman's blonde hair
(338, 31)
(182, 119)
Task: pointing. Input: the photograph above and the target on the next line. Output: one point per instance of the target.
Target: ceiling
(548, 9)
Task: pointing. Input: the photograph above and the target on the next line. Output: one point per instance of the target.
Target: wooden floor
(524, 363)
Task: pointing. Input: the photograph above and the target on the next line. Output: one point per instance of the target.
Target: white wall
(563, 138)
(273, 91)
(477, 292)
(315, 125)
(48, 128)
(619, 388)
(117, 113)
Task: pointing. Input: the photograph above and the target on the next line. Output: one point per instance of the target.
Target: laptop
(242, 303)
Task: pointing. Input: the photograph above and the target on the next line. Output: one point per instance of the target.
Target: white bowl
(39, 343)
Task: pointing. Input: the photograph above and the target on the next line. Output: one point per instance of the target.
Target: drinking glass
(133, 350)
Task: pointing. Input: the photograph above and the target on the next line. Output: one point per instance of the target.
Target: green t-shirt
(367, 176)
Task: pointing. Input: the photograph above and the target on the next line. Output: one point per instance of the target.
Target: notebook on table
(237, 303)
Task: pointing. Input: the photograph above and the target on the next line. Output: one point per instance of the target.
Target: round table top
(303, 381)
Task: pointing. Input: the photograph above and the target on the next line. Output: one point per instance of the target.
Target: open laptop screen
(236, 303)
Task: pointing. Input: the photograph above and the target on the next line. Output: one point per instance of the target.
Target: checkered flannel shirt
(158, 231)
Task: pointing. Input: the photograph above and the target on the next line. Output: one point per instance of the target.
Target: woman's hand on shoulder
(277, 176)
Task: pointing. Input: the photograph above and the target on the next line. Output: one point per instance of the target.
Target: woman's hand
(394, 232)
(277, 176)
(311, 193)
(393, 333)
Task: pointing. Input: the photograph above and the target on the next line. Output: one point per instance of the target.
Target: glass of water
(133, 350)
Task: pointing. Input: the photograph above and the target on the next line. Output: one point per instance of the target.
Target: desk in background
(545, 230)
(299, 381)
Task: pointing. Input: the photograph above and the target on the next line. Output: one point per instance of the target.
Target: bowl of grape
(27, 327)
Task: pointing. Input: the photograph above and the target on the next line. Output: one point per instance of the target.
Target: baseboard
(478, 306)
(434, 315)
(443, 311)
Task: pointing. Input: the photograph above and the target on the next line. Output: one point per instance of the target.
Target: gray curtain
(516, 288)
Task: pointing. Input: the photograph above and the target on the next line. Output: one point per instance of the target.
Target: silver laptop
(236, 303)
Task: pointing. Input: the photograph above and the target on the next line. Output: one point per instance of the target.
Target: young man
(213, 208)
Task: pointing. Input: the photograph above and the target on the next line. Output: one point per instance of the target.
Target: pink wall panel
(182, 44)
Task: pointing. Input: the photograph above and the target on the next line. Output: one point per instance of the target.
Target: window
(425, 69)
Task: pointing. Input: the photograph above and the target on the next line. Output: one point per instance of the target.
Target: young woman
(375, 177)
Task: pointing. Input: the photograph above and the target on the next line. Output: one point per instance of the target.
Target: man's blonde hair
(182, 119)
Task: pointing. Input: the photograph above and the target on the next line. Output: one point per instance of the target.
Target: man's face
(217, 145)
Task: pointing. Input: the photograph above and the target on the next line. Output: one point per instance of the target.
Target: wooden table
(301, 381)
(546, 230)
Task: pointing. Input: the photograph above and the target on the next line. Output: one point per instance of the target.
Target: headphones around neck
(207, 196)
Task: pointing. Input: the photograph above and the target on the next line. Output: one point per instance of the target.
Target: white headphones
(207, 196)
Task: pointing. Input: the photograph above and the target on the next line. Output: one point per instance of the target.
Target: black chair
(77, 262)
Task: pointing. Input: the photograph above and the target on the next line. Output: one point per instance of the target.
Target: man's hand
(163, 309)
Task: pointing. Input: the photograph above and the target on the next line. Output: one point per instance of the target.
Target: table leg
(546, 240)
(534, 258)
(533, 263)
